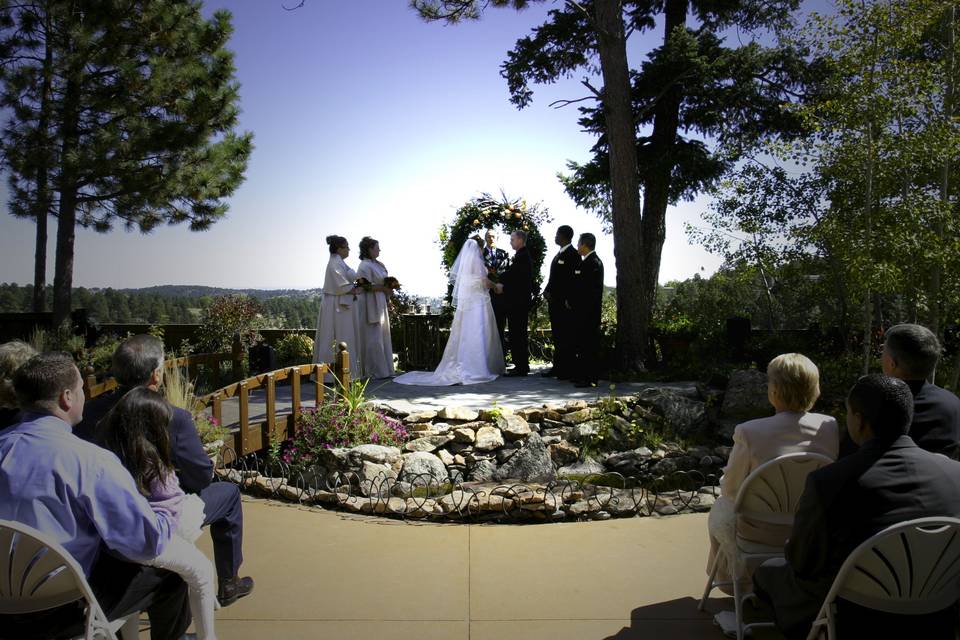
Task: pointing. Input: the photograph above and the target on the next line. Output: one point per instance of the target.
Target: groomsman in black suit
(559, 293)
(516, 287)
(497, 262)
(587, 298)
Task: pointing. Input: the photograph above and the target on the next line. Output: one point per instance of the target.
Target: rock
(563, 452)
(387, 410)
(700, 452)
(376, 473)
(375, 453)
(532, 462)
(462, 414)
(671, 465)
(531, 414)
(505, 454)
(513, 427)
(578, 417)
(548, 440)
(420, 416)
(683, 416)
(456, 501)
(391, 505)
(723, 452)
(336, 458)
(584, 468)
(442, 427)
(464, 435)
(483, 471)
(576, 405)
(472, 457)
(488, 439)
(459, 460)
(552, 416)
(421, 462)
(421, 427)
(746, 395)
(431, 443)
(293, 494)
(584, 431)
(445, 457)
(490, 415)
(628, 460)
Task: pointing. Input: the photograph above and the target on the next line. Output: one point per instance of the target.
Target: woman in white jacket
(337, 321)
(376, 353)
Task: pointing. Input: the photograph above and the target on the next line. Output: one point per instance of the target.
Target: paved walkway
(324, 575)
(514, 393)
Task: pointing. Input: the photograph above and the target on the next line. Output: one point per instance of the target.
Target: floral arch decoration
(484, 212)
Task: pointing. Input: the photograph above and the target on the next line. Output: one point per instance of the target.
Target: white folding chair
(37, 574)
(911, 568)
(768, 496)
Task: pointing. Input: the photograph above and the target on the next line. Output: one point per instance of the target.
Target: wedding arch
(485, 212)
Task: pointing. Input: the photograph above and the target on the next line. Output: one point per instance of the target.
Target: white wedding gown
(473, 353)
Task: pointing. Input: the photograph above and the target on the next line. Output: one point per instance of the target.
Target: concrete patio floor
(321, 574)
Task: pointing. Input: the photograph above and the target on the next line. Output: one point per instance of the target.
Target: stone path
(514, 393)
(325, 575)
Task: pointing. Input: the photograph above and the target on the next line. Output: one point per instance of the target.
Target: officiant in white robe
(376, 349)
(338, 320)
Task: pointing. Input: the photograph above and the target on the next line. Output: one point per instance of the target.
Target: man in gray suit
(888, 480)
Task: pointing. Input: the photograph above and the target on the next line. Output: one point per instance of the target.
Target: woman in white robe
(337, 320)
(473, 353)
(376, 350)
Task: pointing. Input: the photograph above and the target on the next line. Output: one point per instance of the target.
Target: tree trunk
(936, 275)
(67, 211)
(868, 241)
(632, 312)
(656, 182)
(42, 204)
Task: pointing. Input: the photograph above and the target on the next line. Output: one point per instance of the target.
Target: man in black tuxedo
(497, 262)
(558, 292)
(887, 481)
(910, 353)
(587, 299)
(138, 361)
(516, 288)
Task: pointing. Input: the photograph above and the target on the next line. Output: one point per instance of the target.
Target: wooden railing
(92, 388)
(252, 437)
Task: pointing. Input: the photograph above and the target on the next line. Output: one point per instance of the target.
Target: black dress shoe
(549, 373)
(233, 589)
(583, 384)
(518, 373)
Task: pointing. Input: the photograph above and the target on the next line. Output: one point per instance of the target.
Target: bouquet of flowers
(392, 283)
(492, 274)
(363, 283)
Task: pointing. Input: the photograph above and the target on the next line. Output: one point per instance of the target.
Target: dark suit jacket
(936, 419)
(496, 259)
(517, 281)
(588, 283)
(193, 465)
(842, 505)
(560, 284)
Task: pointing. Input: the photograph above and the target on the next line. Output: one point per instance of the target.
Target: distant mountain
(197, 291)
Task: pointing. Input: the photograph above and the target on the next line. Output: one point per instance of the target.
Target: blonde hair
(795, 380)
(12, 355)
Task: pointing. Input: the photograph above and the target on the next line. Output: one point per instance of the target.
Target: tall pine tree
(138, 124)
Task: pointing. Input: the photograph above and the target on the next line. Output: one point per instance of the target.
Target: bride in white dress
(473, 353)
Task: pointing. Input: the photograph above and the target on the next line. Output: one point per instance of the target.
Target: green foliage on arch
(484, 212)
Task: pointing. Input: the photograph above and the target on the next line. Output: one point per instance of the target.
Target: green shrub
(295, 348)
(229, 316)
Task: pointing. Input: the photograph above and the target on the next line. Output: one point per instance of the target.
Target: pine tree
(140, 117)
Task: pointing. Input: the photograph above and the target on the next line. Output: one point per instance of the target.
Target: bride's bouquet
(492, 274)
(392, 283)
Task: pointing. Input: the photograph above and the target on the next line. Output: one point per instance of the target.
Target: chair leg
(708, 588)
(738, 605)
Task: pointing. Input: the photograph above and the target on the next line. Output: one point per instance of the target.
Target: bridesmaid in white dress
(376, 350)
(337, 321)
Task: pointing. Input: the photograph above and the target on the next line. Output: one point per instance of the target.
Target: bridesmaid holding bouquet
(376, 350)
(338, 319)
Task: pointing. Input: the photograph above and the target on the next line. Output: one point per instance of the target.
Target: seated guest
(888, 480)
(138, 361)
(793, 385)
(80, 495)
(911, 352)
(12, 355)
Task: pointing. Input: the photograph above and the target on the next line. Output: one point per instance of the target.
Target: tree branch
(559, 104)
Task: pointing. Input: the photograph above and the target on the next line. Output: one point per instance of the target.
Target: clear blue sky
(367, 120)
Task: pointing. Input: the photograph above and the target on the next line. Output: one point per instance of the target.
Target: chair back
(771, 492)
(909, 568)
(36, 573)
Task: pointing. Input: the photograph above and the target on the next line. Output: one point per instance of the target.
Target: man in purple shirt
(80, 494)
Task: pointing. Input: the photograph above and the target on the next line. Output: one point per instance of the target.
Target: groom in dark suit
(516, 287)
(587, 301)
(559, 293)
